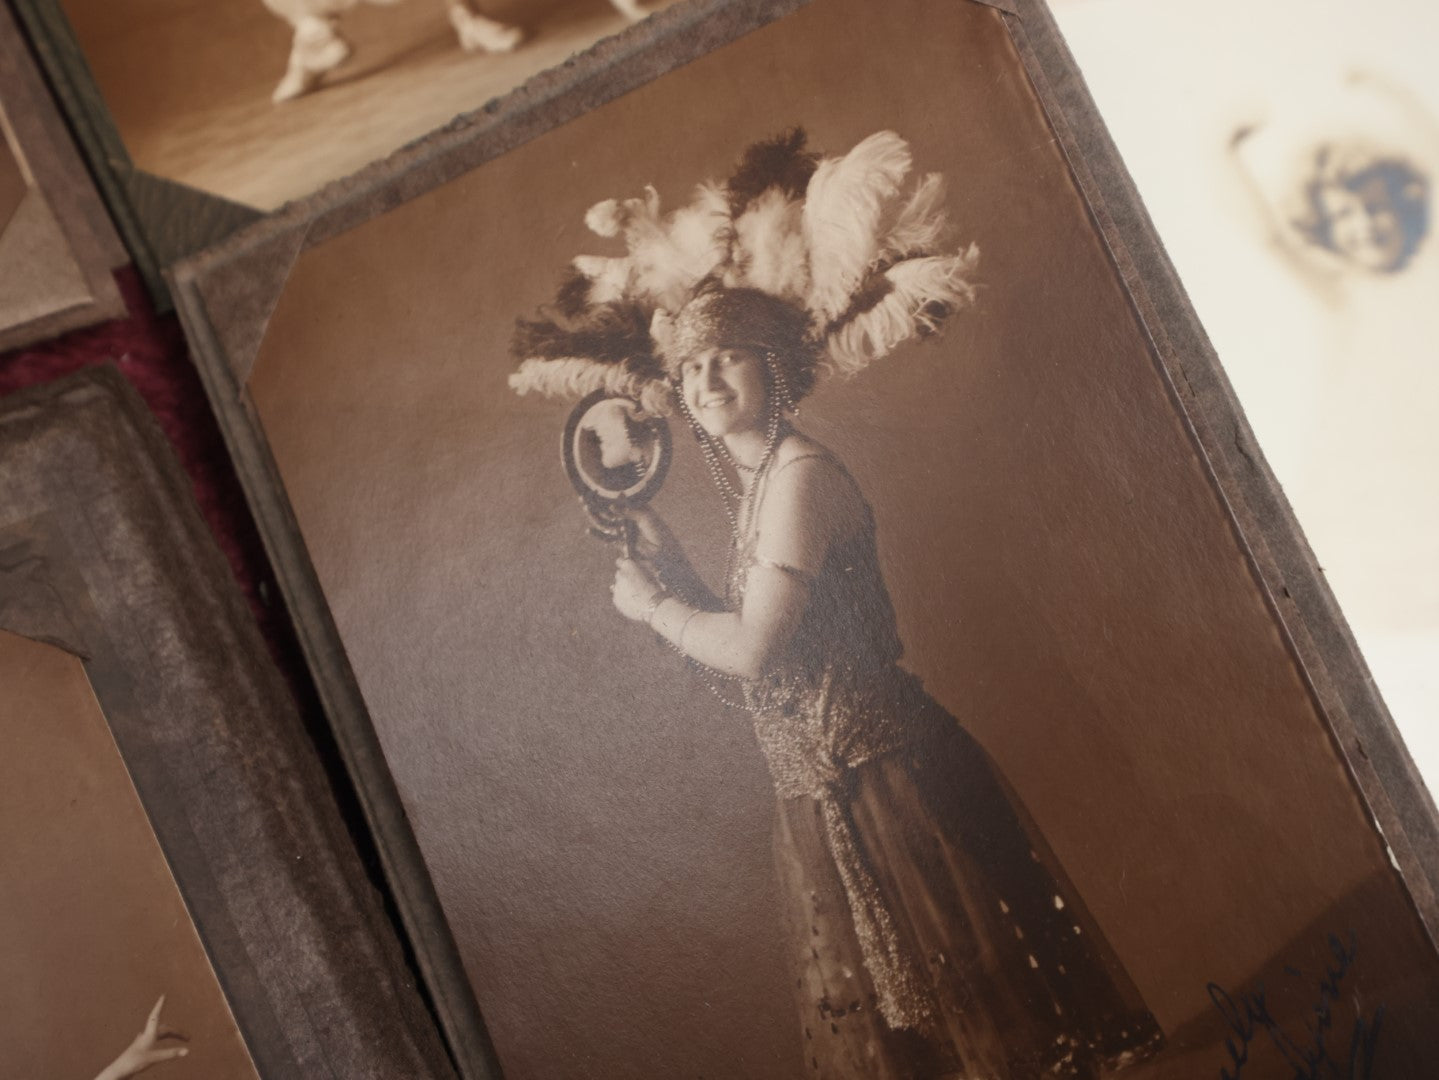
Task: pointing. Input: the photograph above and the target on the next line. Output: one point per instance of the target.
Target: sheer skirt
(1012, 979)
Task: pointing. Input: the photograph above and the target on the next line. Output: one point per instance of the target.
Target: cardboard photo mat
(58, 250)
(104, 556)
(170, 101)
(97, 908)
(315, 307)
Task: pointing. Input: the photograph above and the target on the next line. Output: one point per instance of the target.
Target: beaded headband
(822, 261)
(747, 318)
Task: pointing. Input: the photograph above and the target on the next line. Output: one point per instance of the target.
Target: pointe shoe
(317, 48)
(318, 45)
(479, 34)
(296, 83)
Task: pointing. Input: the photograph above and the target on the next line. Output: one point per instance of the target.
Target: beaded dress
(933, 934)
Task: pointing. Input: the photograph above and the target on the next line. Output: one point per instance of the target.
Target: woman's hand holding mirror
(635, 589)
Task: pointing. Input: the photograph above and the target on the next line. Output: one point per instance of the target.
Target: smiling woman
(932, 933)
(724, 389)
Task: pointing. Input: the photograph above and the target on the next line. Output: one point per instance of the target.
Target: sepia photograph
(264, 101)
(876, 683)
(899, 849)
(107, 974)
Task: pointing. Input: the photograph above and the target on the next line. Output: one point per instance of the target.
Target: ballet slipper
(479, 34)
(316, 49)
(296, 83)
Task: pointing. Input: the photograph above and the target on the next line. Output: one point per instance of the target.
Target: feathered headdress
(826, 261)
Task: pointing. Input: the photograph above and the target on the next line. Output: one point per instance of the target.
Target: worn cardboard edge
(1009, 7)
(45, 246)
(49, 150)
(40, 637)
(239, 296)
(58, 172)
(30, 607)
(1363, 733)
(1280, 560)
(606, 71)
(17, 182)
(179, 218)
(160, 220)
(87, 312)
(58, 54)
(30, 610)
(402, 864)
(235, 723)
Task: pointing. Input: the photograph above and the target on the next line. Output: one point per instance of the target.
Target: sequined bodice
(835, 697)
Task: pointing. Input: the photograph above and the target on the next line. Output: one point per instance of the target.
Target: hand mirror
(616, 456)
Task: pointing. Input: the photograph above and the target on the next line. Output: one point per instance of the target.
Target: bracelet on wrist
(659, 597)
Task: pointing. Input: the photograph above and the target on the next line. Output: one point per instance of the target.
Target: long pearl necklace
(740, 507)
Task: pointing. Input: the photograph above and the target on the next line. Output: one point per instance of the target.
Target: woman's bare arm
(808, 506)
(736, 643)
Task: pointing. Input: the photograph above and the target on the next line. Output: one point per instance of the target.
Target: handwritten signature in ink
(1247, 1016)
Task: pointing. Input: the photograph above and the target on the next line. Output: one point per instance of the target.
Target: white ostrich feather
(666, 256)
(843, 206)
(605, 218)
(769, 251)
(921, 224)
(609, 278)
(662, 331)
(573, 378)
(615, 216)
(852, 236)
(669, 262)
(915, 284)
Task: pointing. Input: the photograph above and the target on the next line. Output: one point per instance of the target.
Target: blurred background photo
(264, 101)
(1286, 152)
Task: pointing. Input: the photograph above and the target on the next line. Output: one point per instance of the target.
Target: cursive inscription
(1320, 1054)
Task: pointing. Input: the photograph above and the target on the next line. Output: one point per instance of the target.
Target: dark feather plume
(616, 333)
(781, 162)
(573, 296)
(874, 289)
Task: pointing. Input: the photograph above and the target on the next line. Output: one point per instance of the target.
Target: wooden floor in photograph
(406, 77)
